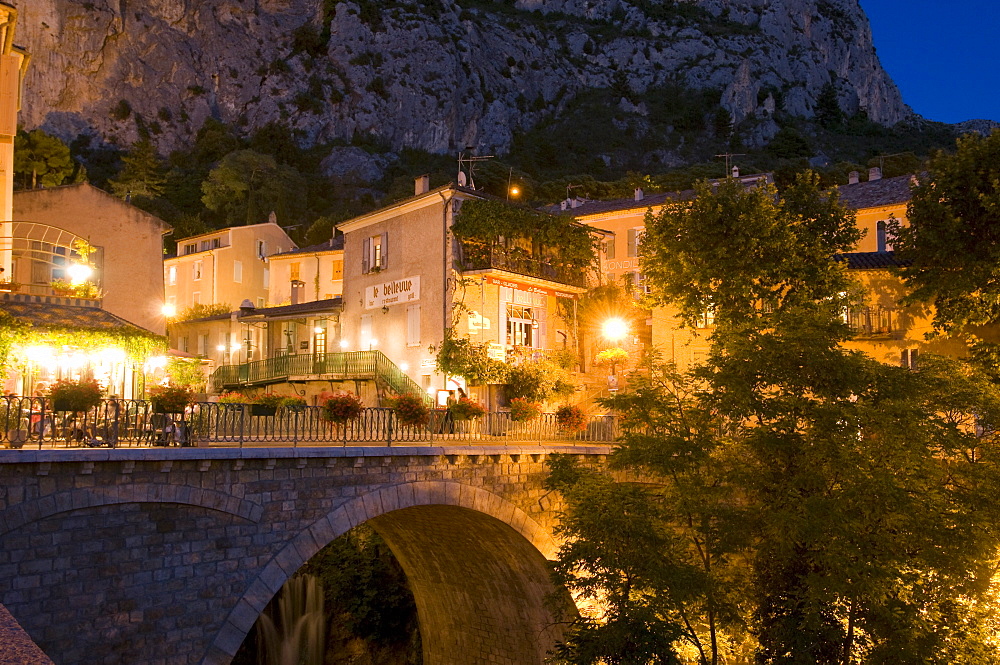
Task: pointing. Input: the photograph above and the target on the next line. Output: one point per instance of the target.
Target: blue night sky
(944, 56)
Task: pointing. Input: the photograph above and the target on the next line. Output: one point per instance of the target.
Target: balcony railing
(872, 321)
(479, 256)
(347, 365)
(30, 422)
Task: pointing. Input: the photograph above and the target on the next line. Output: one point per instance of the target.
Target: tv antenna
(466, 166)
(729, 155)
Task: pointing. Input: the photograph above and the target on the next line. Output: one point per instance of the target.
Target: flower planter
(167, 408)
(262, 410)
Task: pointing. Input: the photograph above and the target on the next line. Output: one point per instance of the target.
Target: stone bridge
(155, 557)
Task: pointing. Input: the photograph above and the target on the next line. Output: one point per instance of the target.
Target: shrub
(411, 410)
(294, 402)
(170, 398)
(341, 408)
(76, 395)
(571, 419)
(232, 398)
(465, 409)
(522, 410)
(269, 399)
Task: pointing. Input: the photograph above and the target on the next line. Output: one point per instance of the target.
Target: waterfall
(298, 635)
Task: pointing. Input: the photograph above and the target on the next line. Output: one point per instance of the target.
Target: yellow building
(223, 267)
(307, 273)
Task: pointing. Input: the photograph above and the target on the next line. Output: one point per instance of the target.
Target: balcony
(480, 256)
(875, 321)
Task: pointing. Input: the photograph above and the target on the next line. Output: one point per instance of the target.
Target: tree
(951, 248)
(41, 159)
(246, 186)
(837, 509)
(827, 110)
(142, 176)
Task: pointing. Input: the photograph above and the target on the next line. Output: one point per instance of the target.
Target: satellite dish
(461, 179)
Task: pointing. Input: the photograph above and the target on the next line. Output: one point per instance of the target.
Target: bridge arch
(477, 565)
(93, 497)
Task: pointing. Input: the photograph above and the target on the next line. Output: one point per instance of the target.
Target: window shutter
(366, 251)
(610, 249)
(633, 235)
(413, 325)
(385, 251)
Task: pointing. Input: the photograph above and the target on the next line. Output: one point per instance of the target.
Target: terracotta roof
(874, 194)
(311, 307)
(50, 315)
(869, 260)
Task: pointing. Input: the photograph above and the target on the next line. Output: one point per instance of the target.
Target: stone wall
(156, 557)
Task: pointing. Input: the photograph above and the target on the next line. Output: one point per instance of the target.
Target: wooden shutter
(633, 235)
(366, 250)
(385, 251)
(609, 249)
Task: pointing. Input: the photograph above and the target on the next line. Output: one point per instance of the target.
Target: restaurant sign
(393, 293)
(529, 288)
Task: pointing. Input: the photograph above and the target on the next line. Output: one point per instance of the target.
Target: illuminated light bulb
(221, 347)
(237, 346)
(169, 310)
(79, 273)
(615, 329)
(157, 362)
(343, 343)
(404, 366)
(317, 330)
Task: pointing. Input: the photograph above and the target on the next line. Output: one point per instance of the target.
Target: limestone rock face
(433, 74)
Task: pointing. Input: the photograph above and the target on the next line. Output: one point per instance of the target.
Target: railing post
(388, 428)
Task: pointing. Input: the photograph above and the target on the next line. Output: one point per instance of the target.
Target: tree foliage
(142, 175)
(247, 186)
(951, 246)
(805, 503)
(42, 159)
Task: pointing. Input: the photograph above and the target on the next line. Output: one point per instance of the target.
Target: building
(406, 281)
(223, 267)
(308, 273)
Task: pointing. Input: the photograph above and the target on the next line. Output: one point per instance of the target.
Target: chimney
(853, 178)
(574, 202)
(639, 194)
(298, 288)
(563, 204)
(736, 171)
(874, 173)
(422, 185)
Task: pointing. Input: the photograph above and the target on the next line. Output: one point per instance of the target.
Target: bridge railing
(34, 422)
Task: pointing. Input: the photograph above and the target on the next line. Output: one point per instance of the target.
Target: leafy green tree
(827, 110)
(950, 246)
(42, 159)
(844, 505)
(142, 176)
(246, 186)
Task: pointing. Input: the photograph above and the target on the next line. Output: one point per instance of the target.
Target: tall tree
(246, 186)
(41, 159)
(951, 245)
(848, 502)
(142, 176)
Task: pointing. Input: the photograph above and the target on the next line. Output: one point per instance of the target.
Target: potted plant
(341, 408)
(266, 404)
(69, 395)
(571, 419)
(522, 410)
(411, 410)
(9, 286)
(294, 403)
(170, 398)
(466, 409)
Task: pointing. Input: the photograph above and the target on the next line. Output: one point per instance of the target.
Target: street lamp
(614, 329)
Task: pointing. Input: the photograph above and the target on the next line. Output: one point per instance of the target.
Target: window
(366, 330)
(196, 298)
(196, 270)
(294, 269)
(238, 271)
(909, 358)
(413, 325)
(374, 252)
(338, 269)
(190, 248)
(707, 319)
(203, 344)
(261, 249)
(205, 245)
(184, 344)
(634, 239)
(260, 302)
(319, 337)
(609, 249)
(216, 242)
(172, 275)
(882, 244)
(521, 326)
(639, 281)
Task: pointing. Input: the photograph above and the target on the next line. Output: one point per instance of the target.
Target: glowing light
(79, 273)
(615, 329)
(221, 347)
(112, 355)
(373, 343)
(343, 343)
(237, 346)
(39, 354)
(318, 330)
(404, 366)
(156, 362)
(514, 191)
(169, 310)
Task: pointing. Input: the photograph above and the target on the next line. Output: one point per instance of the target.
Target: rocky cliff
(432, 74)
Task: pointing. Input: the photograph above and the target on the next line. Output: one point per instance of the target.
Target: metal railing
(352, 364)
(31, 422)
(478, 256)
